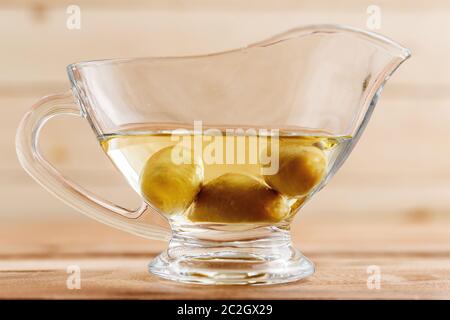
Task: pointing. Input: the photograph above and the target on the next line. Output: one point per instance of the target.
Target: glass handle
(76, 196)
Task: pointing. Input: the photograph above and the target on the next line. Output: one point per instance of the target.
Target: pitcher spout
(342, 70)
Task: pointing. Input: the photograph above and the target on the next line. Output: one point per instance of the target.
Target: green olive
(169, 186)
(238, 198)
(301, 168)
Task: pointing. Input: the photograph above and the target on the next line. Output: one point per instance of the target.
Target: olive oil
(223, 178)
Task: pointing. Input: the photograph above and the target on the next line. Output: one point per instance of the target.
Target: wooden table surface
(412, 253)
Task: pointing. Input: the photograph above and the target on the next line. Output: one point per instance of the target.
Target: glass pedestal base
(267, 260)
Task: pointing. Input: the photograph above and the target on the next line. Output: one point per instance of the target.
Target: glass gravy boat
(226, 147)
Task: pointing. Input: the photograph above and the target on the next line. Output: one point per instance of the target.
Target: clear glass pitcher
(227, 147)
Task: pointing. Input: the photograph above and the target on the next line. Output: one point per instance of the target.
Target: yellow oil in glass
(224, 178)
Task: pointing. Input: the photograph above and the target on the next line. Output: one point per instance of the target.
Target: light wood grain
(413, 256)
(130, 29)
(38, 49)
(388, 206)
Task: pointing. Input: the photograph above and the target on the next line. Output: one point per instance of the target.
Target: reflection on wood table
(412, 255)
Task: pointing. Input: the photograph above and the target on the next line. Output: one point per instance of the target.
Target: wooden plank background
(400, 167)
